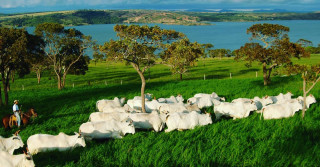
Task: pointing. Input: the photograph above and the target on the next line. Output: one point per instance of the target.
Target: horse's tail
(10, 122)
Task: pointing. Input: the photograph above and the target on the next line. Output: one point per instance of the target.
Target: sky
(20, 6)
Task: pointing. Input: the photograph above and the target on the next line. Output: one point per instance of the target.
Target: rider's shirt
(15, 108)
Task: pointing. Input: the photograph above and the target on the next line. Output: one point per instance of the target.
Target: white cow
(309, 100)
(150, 105)
(283, 110)
(106, 129)
(234, 110)
(111, 109)
(11, 143)
(172, 107)
(148, 97)
(259, 102)
(172, 99)
(61, 142)
(100, 116)
(213, 95)
(21, 160)
(182, 121)
(281, 98)
(116, 102)
(147, 121)
(204, 100)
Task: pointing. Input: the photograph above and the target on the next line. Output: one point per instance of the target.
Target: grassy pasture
(245, 142)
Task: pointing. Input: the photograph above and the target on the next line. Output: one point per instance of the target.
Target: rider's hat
(15, 101)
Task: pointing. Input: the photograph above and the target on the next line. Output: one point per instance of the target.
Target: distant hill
(85, 17)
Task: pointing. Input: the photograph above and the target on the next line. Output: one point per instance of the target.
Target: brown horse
(25, 117)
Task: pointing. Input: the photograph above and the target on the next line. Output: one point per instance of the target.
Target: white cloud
(35, 3)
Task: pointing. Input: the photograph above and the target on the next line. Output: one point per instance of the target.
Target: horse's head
(33, 113)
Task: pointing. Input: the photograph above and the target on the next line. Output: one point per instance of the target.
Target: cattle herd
(115, 119)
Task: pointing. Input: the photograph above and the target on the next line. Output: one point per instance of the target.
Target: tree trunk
(8, 86)
(1, 102)
(12, 76)
(38, 76)
(64, 80)
(269, 76)
(143, 85)
(304, 98)
(59, 82)
(265, 76)
(180, 77)
(5, 89)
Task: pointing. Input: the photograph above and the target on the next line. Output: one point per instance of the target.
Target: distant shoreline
(91, 17)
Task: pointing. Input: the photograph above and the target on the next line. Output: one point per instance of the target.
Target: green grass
(245, 142)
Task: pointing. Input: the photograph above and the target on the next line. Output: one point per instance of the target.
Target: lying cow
(205, 100)
(61, 142)
(106, 129)
(172, 99)
(110, 109)
(147, 121)
(259, 102)
(234, 110)
(100, 116)
(149, 105)
(283, 110)
(116, 102)
(182, 121)
(11, 143)
(148, 97)
(309, 100)
(21, 160)
(281, 98)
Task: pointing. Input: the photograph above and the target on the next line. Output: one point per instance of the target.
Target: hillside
(227, 142)
(85, 17)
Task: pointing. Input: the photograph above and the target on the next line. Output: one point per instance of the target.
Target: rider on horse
(16, 111)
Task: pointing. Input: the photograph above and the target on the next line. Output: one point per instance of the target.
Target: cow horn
(17, 133)
(167, 117)
(79, 132)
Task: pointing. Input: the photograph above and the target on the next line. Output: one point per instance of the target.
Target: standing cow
(11, 143)
(21, 160)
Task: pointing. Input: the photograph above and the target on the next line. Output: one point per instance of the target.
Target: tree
(278, 49)
(220, 53)
(304, 42)
(37, 57)
(310, 76)
(13, 55)
(182, 54)
(207, 51)
(137, 46)
(64, 48)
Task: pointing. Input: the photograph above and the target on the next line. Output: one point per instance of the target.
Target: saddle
(13, 120)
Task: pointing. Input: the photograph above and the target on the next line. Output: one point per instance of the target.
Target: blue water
(229, 35)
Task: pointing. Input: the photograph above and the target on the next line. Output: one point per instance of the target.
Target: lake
(229, 35)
